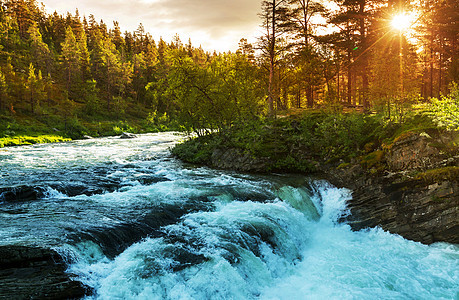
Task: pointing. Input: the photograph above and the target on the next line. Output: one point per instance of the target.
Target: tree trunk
(362, 30)
(272, 48)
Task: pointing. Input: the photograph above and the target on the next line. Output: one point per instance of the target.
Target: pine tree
(3, 91)
(41, 56)
(273, 17)
(71, 59)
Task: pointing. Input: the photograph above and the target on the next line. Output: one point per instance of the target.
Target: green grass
(30, 140)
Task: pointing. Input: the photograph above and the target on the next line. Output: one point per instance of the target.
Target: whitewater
(135, 223)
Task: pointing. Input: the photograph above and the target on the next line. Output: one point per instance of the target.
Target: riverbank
(30, 140)
(404, 176)
(22, 128)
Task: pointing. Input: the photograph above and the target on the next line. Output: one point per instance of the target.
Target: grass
(30, 140)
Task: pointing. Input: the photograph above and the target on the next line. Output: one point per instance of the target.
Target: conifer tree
(71, 59)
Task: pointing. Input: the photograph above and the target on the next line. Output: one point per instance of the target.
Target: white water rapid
(134, 223)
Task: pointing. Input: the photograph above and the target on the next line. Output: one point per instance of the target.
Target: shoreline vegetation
(31, 140)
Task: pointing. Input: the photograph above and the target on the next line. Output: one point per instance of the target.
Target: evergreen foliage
(80, 76)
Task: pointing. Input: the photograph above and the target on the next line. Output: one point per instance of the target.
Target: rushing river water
(134, 223)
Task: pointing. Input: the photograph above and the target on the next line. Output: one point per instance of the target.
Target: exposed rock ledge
(36, 273)
(417, 209)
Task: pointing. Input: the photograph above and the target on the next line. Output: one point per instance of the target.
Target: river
(135, 223)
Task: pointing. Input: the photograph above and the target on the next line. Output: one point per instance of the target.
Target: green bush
(197, 150)
(445, 111)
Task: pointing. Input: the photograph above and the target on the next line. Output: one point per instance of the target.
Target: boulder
(235, 159)
(127, 135)
(36, 273)
(21, 193)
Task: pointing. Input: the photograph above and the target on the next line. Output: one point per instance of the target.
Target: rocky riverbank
(36, 273)
(409, 187)
(417, 194)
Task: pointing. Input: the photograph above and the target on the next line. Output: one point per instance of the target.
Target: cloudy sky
(214, 24)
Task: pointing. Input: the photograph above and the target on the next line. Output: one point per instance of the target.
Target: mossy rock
(439, 175)
(374, 159)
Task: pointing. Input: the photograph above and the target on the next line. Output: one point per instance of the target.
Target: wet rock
(21, 193)
(414, 211)
(87, 137)
(36, 273)
(417, 210)
(127, 135)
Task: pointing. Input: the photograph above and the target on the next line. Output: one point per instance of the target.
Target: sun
(401, 21)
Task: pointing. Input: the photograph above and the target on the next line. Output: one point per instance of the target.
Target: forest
(73, 75)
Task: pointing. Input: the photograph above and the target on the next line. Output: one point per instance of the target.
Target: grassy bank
(30, 140)
(25, 129)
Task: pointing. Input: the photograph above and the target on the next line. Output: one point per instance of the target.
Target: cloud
(216, 24)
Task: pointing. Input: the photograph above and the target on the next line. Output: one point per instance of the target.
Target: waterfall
(134, 223)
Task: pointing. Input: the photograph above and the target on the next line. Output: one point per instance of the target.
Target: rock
(36, 273)
(415, 151)
(127, 135)
(414, 192)
(414, 211)
(417, 210)
(87, 137)
(21, 193)
(235, 159)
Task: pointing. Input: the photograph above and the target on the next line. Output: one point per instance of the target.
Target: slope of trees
(70, 71)
(360, 59)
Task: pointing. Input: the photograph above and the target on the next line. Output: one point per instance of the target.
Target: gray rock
(417, 210)
(127, 135)
(235, 159)
(36, 273)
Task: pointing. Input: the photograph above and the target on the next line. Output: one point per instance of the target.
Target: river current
(135, 223)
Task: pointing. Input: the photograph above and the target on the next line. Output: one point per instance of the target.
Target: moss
(343, 166)
(373, 160)
(438, 175)
(30, 140)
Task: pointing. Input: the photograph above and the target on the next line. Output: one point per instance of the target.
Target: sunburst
(401, 21)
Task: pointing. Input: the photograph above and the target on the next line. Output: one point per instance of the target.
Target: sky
(213, 24)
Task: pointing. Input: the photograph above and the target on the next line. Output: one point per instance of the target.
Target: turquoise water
(134, 223)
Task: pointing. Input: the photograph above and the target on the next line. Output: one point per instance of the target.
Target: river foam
(134, 223)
